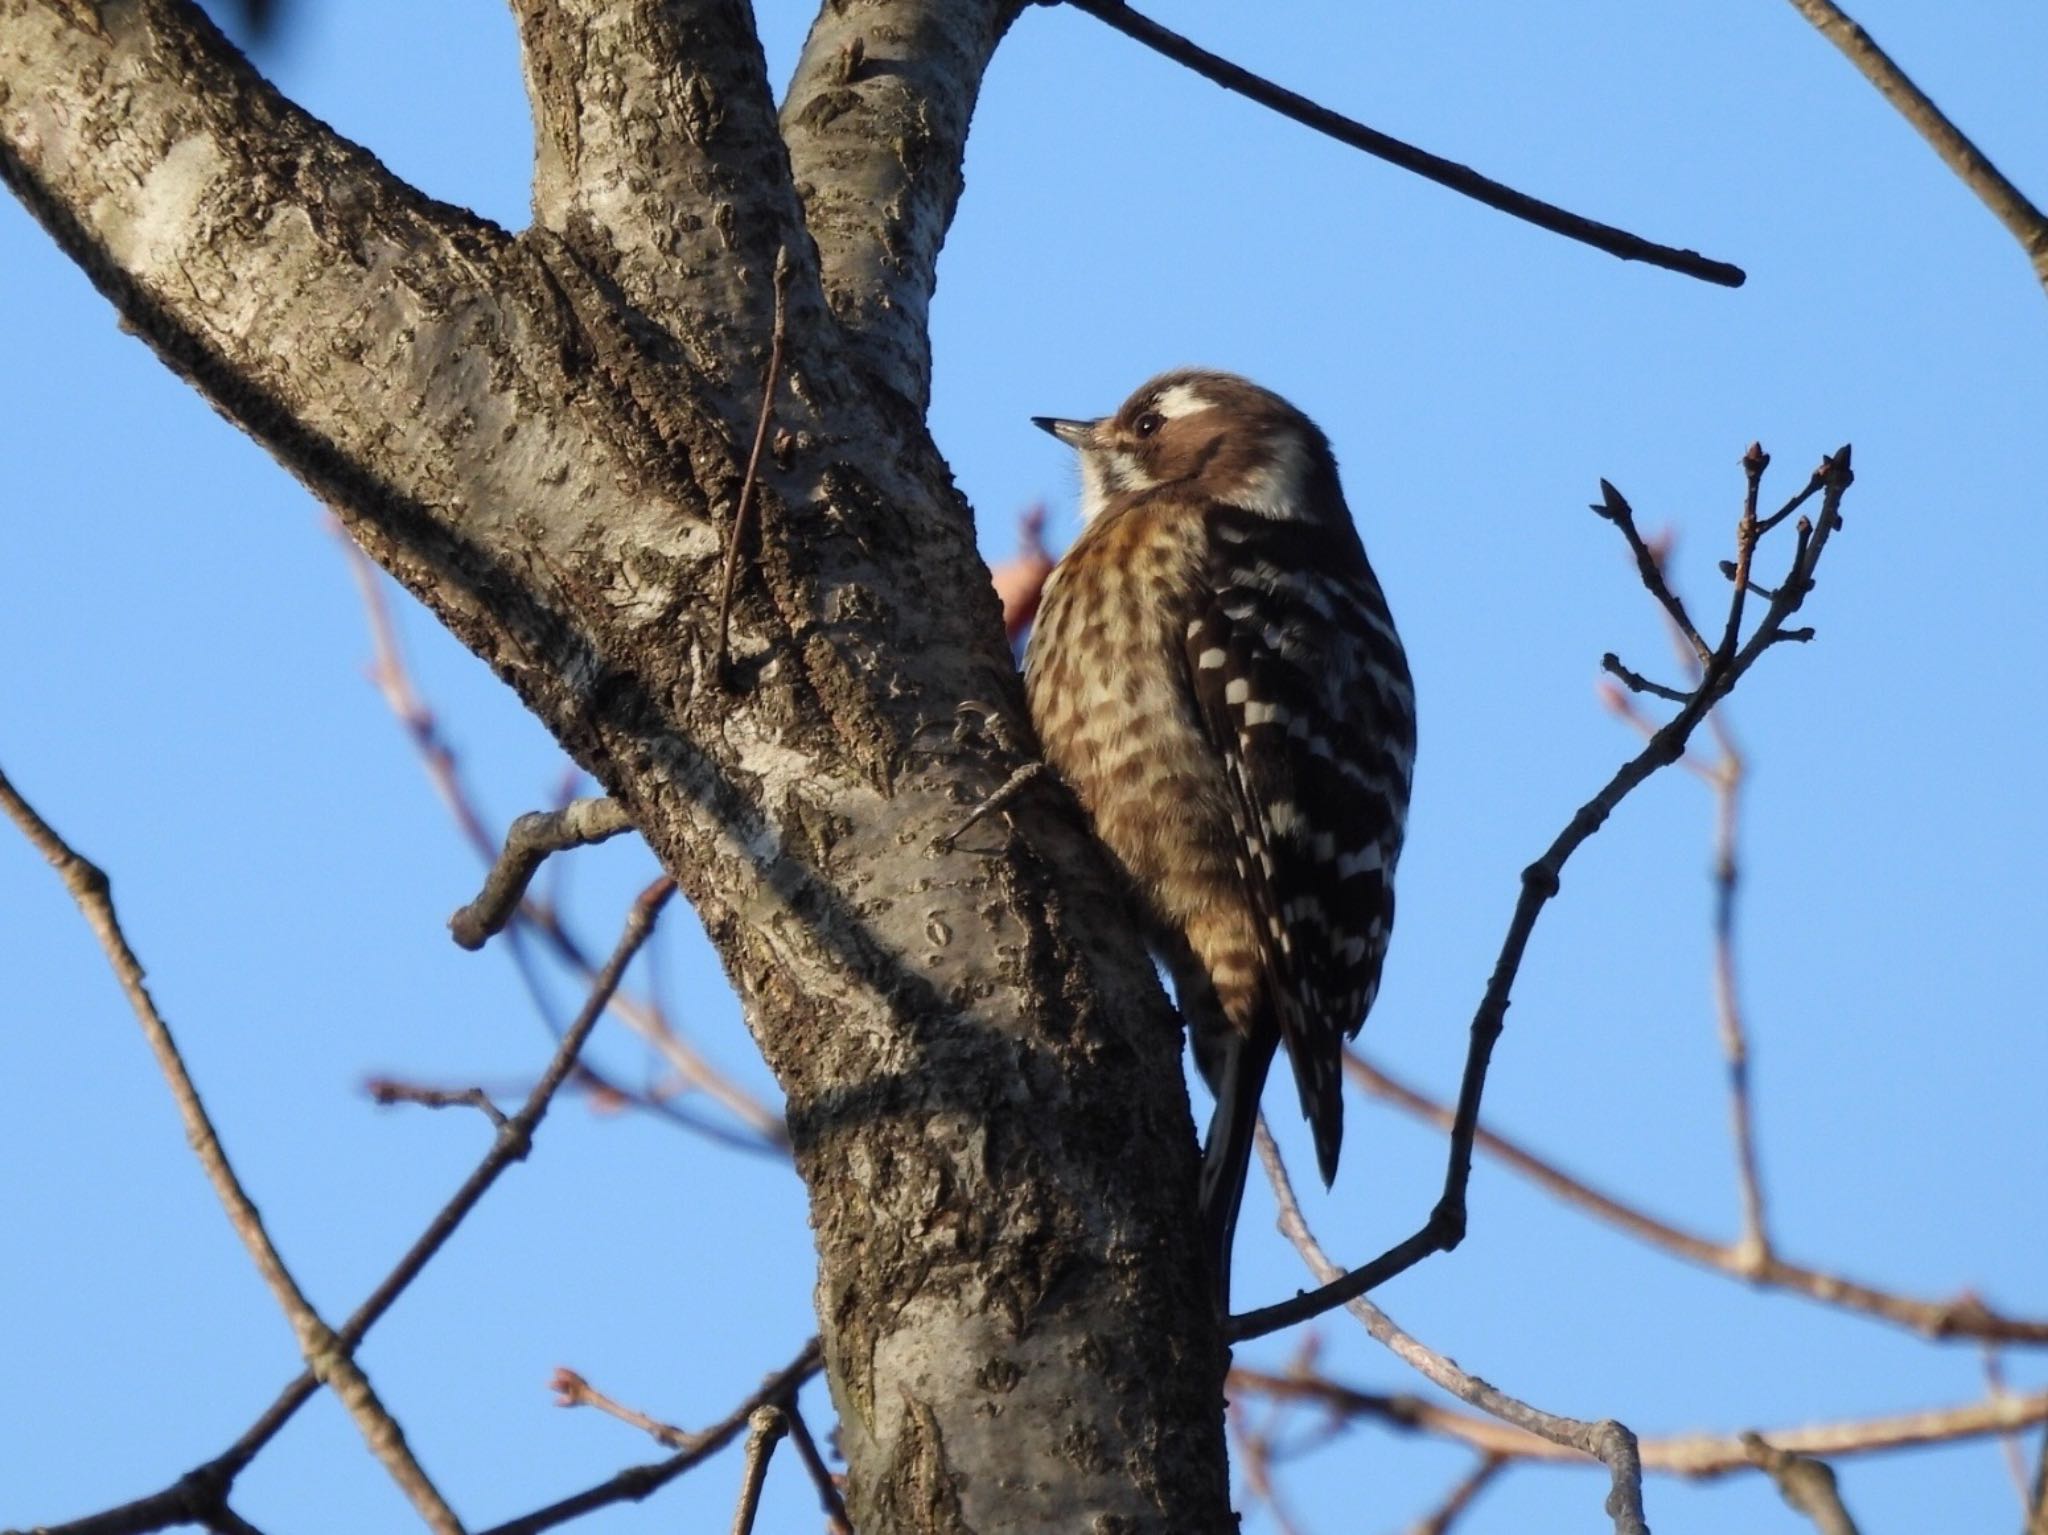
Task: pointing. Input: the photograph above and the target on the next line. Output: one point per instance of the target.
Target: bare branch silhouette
(329, 1356)
(637, 1482)
(1445, 173)
(1696, 1457)
(1721, 668)
(1607, 1441)
(1971, 165)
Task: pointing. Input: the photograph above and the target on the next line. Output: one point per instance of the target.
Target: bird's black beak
(1073, 433)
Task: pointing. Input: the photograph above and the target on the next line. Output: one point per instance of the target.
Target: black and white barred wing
(1305, 694)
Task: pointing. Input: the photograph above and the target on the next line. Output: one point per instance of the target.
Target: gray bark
(542, 436)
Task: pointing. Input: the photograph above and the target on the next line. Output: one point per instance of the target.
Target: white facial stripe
(1125, 474)
(1180, 400)
(1094, 487)
(1106, 472)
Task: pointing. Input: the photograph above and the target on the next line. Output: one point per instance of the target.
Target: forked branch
(1722, 667)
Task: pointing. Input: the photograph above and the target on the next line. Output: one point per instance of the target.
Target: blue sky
(182, 694)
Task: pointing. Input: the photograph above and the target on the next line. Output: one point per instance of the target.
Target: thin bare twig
(1253, 1453)
(829, 1497)
(572, 1390)
(721, 664)
(1806, 1484)
(1971, 165)
(1754, 462)
(637, 1482)
(1815, 483)
(765, 1427)
(1607, 1441)
(1445, 173)
(2008, 1444)
(393, 680)
(206, 1487)
(1724, 776)
(1445, 1227)
(329, 1357)
(1614, 507)
(387, 1091)
(1964, 1317)
(1754, 1248)
(532, 837)
(1461, 1497)
(1638, 683)
(1696, 1457)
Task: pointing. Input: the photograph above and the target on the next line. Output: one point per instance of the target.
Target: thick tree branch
(876, 121)
(656, 153)
(1972, 166)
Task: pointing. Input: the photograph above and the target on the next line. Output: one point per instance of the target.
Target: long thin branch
(1607, 1441)
(329, 1357)
(1696, 1457)
(1972, 166)
(1964, 1317)
(829, 1498)
(735, 537)
(1445, 173)
(206, 1487)
(637, 1482)
(572, 1390)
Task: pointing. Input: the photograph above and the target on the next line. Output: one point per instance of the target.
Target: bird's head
(1211, 435)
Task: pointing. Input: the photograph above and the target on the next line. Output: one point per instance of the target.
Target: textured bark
(541, 436)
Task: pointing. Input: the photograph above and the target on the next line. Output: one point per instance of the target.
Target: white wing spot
(1236, 691)
(1211, 659)
(1364, 861)
(1265, 714)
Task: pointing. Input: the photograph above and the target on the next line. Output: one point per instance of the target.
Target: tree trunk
(542, 437)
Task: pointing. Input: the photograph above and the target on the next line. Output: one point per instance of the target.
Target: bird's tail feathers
(1226, 1157)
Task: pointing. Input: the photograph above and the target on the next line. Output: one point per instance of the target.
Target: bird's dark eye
(1148, 423)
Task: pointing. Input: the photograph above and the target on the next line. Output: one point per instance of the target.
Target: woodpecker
(1215, 674)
